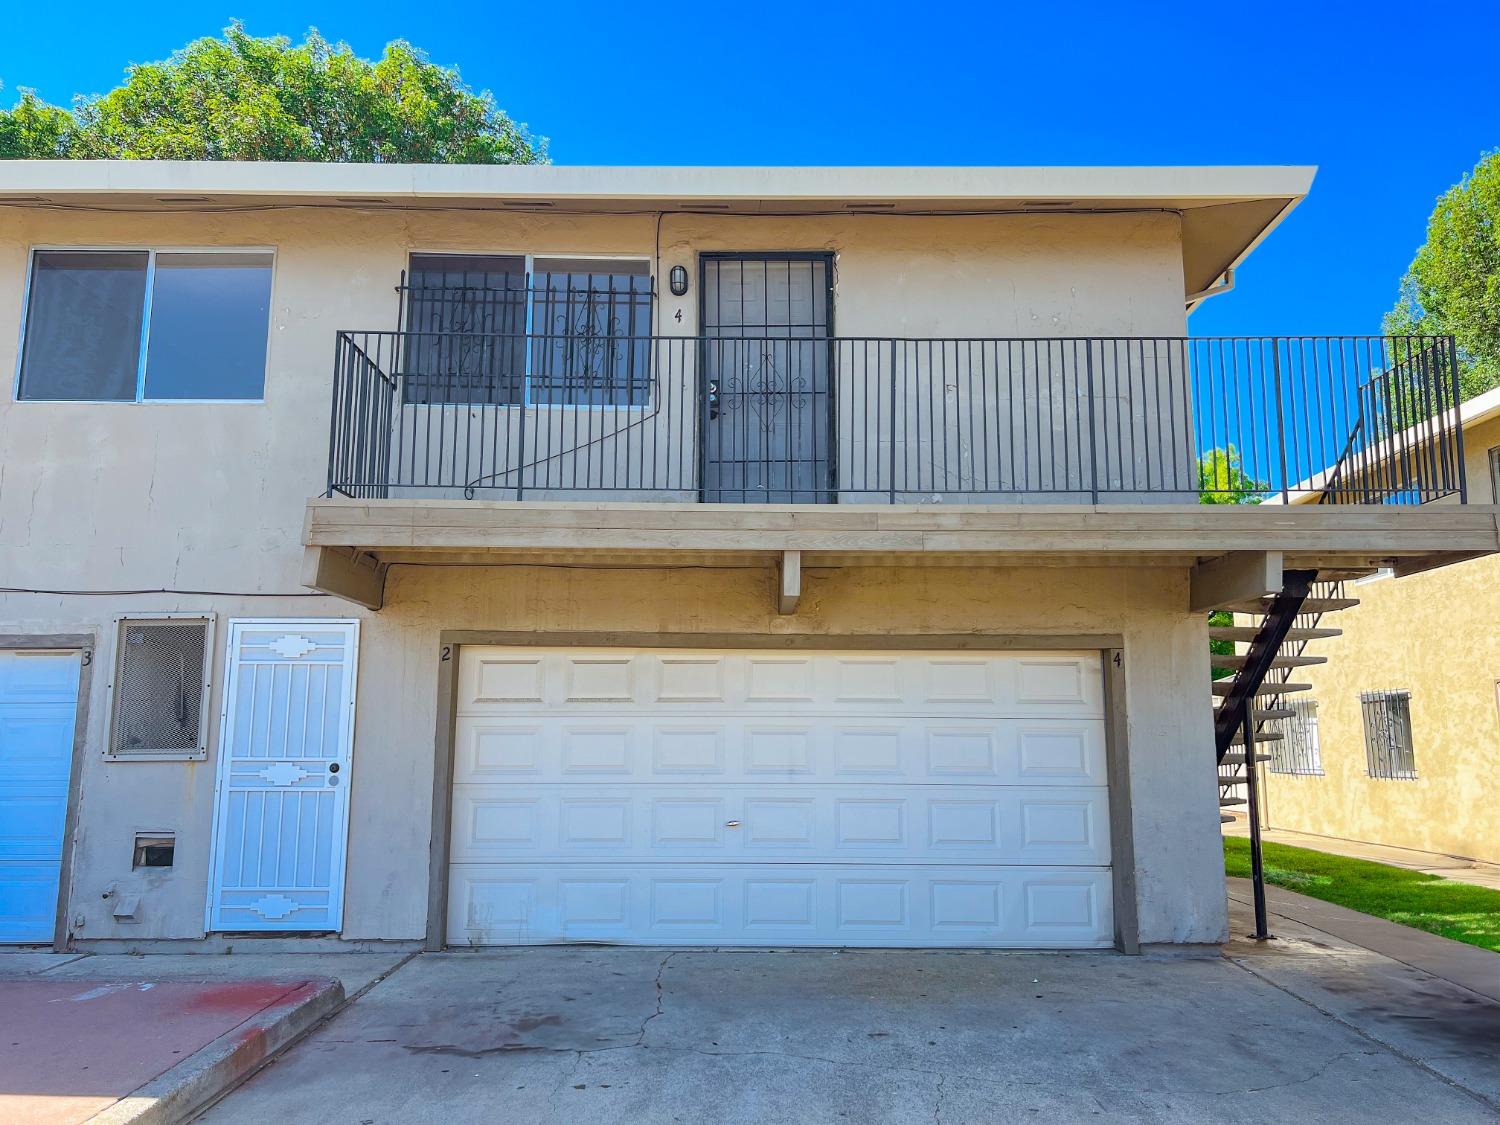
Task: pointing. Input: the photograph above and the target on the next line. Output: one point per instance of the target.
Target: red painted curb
(174, 1096)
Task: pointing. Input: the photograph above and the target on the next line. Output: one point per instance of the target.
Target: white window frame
(117, 656)
(530, 257)
(151, 253)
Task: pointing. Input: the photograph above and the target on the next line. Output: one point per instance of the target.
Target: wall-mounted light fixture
(678, 280)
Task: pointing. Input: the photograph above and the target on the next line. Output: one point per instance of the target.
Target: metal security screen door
(768, 434)
(281, 805)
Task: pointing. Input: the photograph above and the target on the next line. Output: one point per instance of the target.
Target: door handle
(731, 824)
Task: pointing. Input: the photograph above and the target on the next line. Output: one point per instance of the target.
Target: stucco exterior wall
(204, 503)
(1435, 635)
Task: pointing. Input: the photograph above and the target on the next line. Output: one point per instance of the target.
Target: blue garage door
(38, 702)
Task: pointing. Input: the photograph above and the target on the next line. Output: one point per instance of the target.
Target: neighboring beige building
(675, 556)
(1425, 650)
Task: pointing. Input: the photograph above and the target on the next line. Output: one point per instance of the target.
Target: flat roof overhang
(1226, 211)
(358, 540)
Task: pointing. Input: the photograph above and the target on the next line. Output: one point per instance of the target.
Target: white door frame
(340, 842)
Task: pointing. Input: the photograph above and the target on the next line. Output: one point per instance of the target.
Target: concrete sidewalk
(1457, 868)
(150, 1039)
(1433, 1001)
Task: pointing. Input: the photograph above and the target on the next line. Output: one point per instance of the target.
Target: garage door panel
(1050, 684)
(870, 798)
(930, 905)
(733, 748)
(1065, 825)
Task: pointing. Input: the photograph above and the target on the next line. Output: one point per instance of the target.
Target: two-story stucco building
(779, 556)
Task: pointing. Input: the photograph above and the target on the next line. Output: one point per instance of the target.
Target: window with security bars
(1297, 751)
(1388, 741)
(512, 330)
(159, 694)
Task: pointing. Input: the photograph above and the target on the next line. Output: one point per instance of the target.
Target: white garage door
(668, 797)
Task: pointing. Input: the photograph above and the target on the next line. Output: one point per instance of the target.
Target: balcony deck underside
(376, 533)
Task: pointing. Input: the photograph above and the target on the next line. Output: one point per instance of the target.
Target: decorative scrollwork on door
(763, 389)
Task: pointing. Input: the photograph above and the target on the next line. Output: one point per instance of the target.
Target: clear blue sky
(1391, 101)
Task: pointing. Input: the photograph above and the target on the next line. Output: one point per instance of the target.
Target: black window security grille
(1298, 750)
(488, 330)
(1388, 741)
(160, 688)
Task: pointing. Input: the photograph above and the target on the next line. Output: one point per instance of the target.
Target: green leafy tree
(1222, 480)
(1452, 286)
(243, 98)
(35, 130)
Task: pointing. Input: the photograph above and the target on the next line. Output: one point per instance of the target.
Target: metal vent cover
(160, 688)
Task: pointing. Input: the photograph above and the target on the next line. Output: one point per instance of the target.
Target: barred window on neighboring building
(1297, 751)
(159, 693)
(1388, 742)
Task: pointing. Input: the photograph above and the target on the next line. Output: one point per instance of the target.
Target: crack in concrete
(640, 1038)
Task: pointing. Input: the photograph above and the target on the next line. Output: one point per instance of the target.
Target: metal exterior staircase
(1283, 657)
(1251, 682)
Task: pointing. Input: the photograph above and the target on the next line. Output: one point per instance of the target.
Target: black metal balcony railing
(1349, 419)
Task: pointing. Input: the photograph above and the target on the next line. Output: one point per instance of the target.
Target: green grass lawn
(1456, 910)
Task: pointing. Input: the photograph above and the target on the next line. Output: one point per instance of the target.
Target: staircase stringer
(1279, 617)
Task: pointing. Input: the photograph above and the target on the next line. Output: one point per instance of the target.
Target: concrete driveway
(642, 1036)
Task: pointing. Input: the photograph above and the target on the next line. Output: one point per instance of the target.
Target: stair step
(1226, 780)
(1248, 633)
(1266, 714)
(1260, 736)
(1240, 659)
(1346, 575)
(1310, 605)
(1237, 758)
(1222, 688)
(1226, 802)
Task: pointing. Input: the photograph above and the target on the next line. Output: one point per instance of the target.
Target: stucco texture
(1436, 636)
(141, 505)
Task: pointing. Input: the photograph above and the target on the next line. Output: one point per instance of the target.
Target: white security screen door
(678, 797)
(38, 702)
(281, 805)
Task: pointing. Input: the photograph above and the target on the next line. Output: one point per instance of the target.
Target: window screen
(160, 689)
(1495, 472)
(209, 314)
(1388, 741)
(1298, 750)
(83, 325)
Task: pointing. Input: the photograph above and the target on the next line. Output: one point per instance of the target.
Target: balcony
(1167, 450)
(1348, 420)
